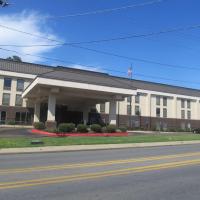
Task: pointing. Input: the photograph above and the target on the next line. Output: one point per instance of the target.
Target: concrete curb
(51, 149)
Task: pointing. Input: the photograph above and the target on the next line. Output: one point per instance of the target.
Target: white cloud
(29, 22)
(96, 69)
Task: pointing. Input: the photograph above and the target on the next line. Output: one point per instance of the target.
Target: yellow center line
(96, 164)
(88, 176)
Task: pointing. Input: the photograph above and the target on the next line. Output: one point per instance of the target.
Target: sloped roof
(71, 74)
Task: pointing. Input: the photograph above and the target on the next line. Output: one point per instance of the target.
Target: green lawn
(62, 141)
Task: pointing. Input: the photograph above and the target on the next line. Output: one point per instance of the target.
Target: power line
(109, 53)
(59, 43)
(96, 67)
(105, 10)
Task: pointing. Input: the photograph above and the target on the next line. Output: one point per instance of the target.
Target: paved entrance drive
(17, 132)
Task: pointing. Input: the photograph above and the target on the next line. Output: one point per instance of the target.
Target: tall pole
(130, 74)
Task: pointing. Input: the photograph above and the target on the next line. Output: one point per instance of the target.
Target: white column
(148, 105)
(112, 112)
(51, 107)
(37, 112)
(196, 110)
(174, 107)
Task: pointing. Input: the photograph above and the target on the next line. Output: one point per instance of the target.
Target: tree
(15, 58)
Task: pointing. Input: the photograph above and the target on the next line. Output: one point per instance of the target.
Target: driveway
(17, 132)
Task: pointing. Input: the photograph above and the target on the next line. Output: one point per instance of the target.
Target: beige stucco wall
(13, 90)
(148, 105)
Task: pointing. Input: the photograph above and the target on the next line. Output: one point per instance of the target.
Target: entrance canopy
(73, 86)
(77, 88)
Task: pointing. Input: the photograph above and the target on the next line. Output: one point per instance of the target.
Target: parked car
(196, 130)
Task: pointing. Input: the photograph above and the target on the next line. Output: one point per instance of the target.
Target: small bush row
(81, 128)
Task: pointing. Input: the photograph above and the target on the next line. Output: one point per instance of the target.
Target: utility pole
(130, 75)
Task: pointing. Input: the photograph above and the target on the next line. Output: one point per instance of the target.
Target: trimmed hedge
(66, 127)
(111, 128)
(39, 125)
(104, 129)
(12, 122)
(123, 129)
(96, 128)
(82, 128)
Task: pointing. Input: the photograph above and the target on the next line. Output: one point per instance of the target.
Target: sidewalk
(91, 147)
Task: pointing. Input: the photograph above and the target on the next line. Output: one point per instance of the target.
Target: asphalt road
(161, 173)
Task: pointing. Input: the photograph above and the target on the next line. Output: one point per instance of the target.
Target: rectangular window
(164, 112)
(189, 114)
(128, 110)
(137, 110)
(6, 99)
(164, 101)
(158, 100)
(182, 103)
(137, 98)
(18, 100)
(188, 104)
(20, 85)
(182, 114)
(157, 112)
(129, 99)
(102, 107)
(7, 83)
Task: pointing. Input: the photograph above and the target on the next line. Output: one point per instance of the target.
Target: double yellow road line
(94, 164)
(89, 176)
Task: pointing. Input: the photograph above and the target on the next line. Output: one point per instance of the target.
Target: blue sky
(180, 48)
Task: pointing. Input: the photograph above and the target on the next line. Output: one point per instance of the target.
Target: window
(157, 100)
(23, 118)
(188, 104)
(137, 110)
(182, 114)
(165, 112)
(20, 85)
(2, 117)
(182, 103)
(102, 107)
(157, 112)
(18, 100)
(128, 110)
(6, 99)
(189, 114)
(7, 83)
(129, 99)
(137, 98)
(164, 101)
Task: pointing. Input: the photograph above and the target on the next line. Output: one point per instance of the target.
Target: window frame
(182, 114)
(137, 99)
(3, 99)
(157, 115)
(164, 112)
(18, 88)
(158, 100)
(4, 83)
(165, 101)
(21, 101)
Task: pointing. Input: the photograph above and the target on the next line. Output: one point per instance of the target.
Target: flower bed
(45, 133)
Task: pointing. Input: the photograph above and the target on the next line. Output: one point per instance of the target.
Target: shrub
(111, 128)
(82, 128)
(11, 122)
(104, 129)
(52, 130)
(96, 128)
(66, 127)
(39, 125)
(123, 129)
